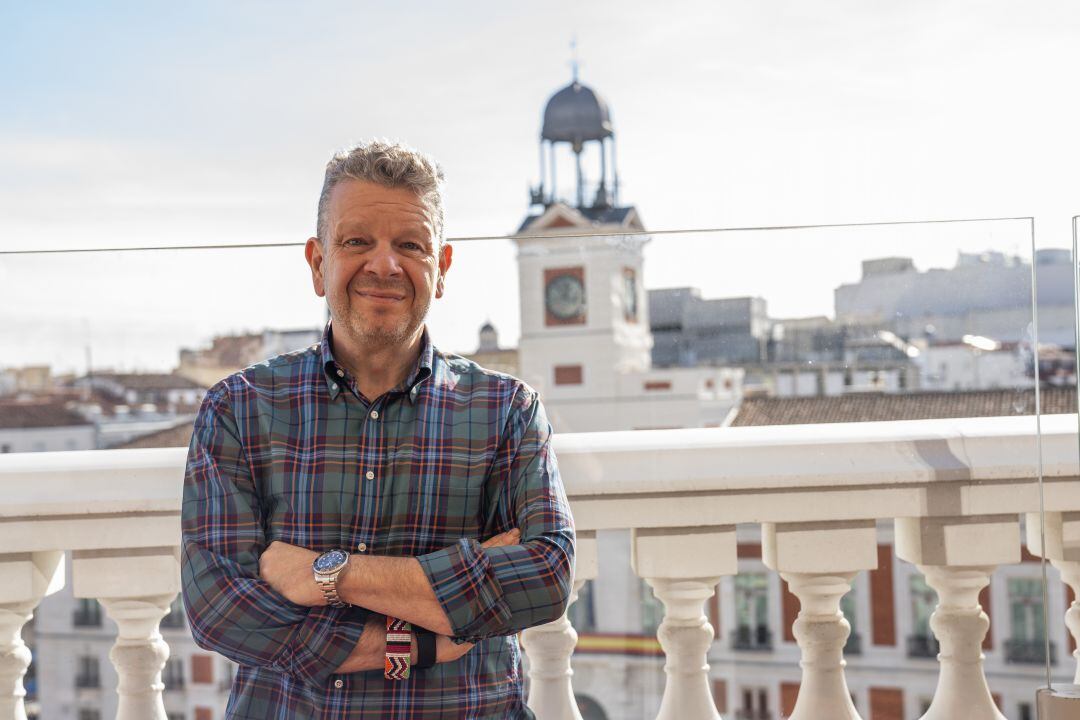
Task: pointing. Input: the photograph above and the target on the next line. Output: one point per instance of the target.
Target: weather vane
(574, 57)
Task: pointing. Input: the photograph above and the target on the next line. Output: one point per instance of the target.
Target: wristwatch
(327, 567)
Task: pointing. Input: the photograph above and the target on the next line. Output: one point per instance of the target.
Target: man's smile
(380, 296)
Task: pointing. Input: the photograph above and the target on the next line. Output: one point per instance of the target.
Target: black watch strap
(425, 649)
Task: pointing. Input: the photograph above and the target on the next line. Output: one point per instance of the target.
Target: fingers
(510, 537)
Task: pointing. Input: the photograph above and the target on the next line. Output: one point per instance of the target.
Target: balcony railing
(87, 681)
(853, 645)
(922, 646)
(752, 638)
(1029, 652)
(954, 490)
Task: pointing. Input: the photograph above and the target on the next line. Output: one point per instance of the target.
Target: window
(175, 618)
(752, 612)
(86, 672)
(854, 641)
(89, 714)
(1027, 643)
(922, 643)
(651, 385)
(582, 613)
(87, 613)
(652, 610)
(173, 674)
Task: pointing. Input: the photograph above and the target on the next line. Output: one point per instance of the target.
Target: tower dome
(576, 114)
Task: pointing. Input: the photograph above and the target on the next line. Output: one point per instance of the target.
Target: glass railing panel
(618, 330)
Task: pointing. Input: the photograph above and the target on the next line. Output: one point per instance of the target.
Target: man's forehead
(361, 202)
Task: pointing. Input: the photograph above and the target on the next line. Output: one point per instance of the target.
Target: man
(332, 488)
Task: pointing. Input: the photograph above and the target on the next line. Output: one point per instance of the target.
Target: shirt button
(374, 414)
(362, 547)
(369, 475)
(333, 386)
(339, 684)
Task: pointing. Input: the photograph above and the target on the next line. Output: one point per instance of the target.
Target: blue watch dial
(329, 561)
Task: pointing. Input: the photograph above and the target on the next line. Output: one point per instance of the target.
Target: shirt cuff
(467, 590)
(323, 642)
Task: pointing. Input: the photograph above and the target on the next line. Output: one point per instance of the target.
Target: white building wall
(49, 439)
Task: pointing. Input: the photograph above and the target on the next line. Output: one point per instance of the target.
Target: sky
(139, 124)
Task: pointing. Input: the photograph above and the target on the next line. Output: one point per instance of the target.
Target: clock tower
(584, 319)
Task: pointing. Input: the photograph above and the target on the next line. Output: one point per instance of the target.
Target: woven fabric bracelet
(398, 649)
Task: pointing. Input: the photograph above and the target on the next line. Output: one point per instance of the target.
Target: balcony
(922, 646)
(853, 645)
(1029, 652)
(955, 491)
(752, 638)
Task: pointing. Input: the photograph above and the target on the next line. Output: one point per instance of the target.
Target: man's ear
(446, 258)
(313, 251)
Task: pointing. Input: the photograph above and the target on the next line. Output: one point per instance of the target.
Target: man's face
(379, 265)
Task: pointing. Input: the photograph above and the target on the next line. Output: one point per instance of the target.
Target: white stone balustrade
(819, 561)
(1062, 534)
(954, 489)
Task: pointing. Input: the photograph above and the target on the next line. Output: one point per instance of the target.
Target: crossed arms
(269, 616)
(385, 585)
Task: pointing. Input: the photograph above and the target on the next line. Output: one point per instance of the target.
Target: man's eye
(355, 241)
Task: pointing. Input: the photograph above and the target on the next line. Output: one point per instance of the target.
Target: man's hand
(288, 570)
(510, 537)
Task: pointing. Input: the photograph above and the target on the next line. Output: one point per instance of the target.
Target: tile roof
(150, 381)
(178, 435)
(870, 407)
(20, 415)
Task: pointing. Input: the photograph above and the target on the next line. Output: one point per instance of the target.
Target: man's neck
(376, 368)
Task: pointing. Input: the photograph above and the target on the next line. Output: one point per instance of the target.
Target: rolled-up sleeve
(230, 609)
(488, 592)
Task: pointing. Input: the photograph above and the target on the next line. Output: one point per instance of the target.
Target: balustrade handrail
(955, 488)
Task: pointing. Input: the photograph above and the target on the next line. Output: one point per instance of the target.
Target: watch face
(330, 561)
(565, 297)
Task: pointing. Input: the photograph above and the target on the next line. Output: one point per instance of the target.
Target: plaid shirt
(290, 450)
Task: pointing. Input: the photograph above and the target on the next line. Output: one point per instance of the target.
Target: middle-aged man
(368, 522)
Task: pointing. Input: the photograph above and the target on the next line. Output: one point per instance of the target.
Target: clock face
(564, 297)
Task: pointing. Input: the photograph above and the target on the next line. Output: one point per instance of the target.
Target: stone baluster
(136, 587)
(25, 578)
(1063, 552)
(819, 561)
(550, 646)
(958, 555)
(683, 566)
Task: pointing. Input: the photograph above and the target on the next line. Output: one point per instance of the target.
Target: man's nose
(382, 261)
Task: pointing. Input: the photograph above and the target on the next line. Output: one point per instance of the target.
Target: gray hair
(392, 165)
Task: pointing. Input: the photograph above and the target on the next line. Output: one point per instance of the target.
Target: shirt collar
(336, 375)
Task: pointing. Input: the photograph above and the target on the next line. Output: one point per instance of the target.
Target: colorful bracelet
(398, 649)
